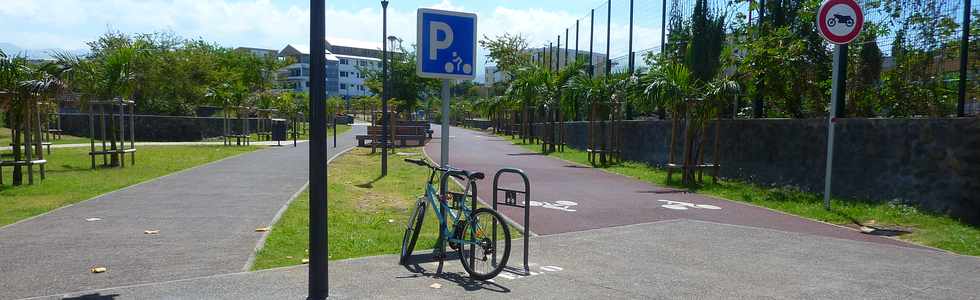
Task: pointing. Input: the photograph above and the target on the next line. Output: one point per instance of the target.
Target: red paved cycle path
(605, 199)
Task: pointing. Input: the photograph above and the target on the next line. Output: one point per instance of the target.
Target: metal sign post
(444, 140)
(839, 22)
(447, 51)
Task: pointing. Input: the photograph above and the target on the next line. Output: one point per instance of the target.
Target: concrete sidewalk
(206, 217)
(679, 259)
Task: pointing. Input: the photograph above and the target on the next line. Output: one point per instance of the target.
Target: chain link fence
(919, 45)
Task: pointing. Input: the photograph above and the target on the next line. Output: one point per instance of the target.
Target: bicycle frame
(439, 201)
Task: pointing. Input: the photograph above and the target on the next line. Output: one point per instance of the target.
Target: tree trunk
(15, 126)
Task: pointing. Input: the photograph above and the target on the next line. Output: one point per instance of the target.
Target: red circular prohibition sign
(822, 17)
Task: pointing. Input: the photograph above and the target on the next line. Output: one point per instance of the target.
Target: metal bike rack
(510, 199)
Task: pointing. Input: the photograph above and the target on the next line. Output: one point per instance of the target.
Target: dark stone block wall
(151, 128)
(931, 163)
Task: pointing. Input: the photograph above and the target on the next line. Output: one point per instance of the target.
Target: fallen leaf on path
(866, 229)
(151, 232)
(262, 229)
(93, 219)
(98, 270)
(436, 286)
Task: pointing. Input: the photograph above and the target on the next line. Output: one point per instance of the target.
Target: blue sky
(68, 24)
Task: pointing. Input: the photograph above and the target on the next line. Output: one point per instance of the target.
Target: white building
(348, 63)
(296, 77)
(352, 73)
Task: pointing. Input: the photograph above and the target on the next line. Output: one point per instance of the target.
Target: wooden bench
(239, 139)
(403, 134)
(56, 133)
(264, 136)
(715, 168)
(29, 164)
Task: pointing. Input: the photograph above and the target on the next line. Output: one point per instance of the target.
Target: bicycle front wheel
(412, 231)
(485, 244)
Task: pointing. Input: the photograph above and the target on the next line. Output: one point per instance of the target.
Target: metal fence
(619, 34)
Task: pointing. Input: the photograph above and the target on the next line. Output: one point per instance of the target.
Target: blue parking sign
(446, 44)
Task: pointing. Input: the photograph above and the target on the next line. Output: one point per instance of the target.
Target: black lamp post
(318, 279)
(384, 88)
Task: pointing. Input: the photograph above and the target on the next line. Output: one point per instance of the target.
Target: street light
(384, 88)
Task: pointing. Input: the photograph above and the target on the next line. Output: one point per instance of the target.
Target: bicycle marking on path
(557, 205)
(514, 275)
(677, 205)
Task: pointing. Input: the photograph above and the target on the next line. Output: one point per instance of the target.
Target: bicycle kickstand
(440, 251)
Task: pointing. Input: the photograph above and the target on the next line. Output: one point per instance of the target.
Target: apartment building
(348, 63)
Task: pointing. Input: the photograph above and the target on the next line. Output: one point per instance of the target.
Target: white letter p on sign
(434, 43)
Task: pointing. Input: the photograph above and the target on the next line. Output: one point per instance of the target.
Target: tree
(24, 90)
(403, 83)
(508, 52)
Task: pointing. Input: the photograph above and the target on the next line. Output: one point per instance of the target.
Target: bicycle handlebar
(451, 171)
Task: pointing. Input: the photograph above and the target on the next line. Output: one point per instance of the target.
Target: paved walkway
(601, 199)
(678, 259)
(206, 217)
(254, 143)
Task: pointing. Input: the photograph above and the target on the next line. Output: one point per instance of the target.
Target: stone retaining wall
(931, 163)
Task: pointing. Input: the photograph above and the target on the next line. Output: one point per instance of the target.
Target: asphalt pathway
(572, 197)
(206, 217)
(677, 259)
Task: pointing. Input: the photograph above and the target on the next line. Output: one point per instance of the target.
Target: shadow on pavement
(95, 296)
(461, 279)
(526, 154)
(665, 191)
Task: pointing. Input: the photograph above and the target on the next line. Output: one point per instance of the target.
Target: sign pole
(839, 22)
(840, 54)
(444, 139)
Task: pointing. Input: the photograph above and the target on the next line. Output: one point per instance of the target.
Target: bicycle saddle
(469, 175)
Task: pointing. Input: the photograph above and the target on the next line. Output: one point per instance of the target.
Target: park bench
(402, 135)
(24, 163)
(713, 167)
(56, 133)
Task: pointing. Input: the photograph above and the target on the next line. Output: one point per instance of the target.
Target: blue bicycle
(477, 233)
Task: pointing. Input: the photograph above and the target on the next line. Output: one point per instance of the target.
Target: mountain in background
(14, 50)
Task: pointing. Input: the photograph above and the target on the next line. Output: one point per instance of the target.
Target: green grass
(367, 215)
(70, 178)
(65, 139)
(928, 229)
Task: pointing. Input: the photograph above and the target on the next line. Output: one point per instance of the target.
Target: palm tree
(597, 93)
(672, 86)
(525, 90)
(24, 90)
(112, 74)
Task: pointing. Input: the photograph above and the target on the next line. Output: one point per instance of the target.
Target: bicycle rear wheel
(487, 249)
(412, 231)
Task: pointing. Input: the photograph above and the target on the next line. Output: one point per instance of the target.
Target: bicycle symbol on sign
(677, 205)
(558, 205)
(457, 65)
(842, 19)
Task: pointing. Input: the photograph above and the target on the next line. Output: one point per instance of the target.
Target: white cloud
(254, 23)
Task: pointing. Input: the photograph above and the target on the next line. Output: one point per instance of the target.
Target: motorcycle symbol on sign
(846, 20)
(677, 205)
